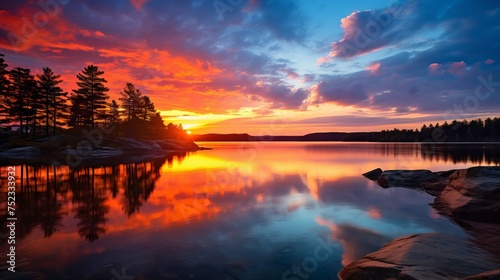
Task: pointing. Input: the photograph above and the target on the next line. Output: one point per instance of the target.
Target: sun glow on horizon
(213, 82)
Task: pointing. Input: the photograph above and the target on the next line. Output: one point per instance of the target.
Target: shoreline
(74, 150)
(470, 198)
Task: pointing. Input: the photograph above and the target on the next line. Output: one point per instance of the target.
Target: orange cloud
(324, 59)
(176, 80)
(373, 68)
(28, 29)
(89, 33)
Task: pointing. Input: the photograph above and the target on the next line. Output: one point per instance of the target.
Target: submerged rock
(472, 194)
(423, 256)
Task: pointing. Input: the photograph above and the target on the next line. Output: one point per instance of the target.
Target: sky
(273, 67)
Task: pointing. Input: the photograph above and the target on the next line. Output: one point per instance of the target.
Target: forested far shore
(477, 130)
(36, 105)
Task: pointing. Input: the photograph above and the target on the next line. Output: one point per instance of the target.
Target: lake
(252, 210)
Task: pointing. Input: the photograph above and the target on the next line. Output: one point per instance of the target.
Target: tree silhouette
(91, 200)
(114, 112)
(147, 108)
(76, 118)
(6, 98)
(53, 100)
(140, 114)
(176, 131)
(90, 99)
(24, 99)
(131, 102)
(51, 213)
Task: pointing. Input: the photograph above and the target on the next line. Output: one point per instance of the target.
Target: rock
(414, 179)
(172, 144)
(472, 194)
(106, 152)
(423, 256)
(485, 235)
(136, 145)
(374, 174)
(489, 275)
(434, 188)
(24, 152)
(406, 178)
(445, 174)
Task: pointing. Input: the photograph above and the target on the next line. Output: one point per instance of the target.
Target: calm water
(239, 211)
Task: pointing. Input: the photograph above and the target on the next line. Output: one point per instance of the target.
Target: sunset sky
(285, 67)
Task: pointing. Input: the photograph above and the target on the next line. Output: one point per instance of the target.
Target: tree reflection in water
(48, 193)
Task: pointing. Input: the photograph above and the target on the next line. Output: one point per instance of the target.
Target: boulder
(374, 174)
(472, 194)
(415, 179)
(423, 256)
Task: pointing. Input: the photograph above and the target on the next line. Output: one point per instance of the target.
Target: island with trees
(38, 117)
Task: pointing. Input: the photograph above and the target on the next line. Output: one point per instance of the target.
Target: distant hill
(321, 136)
(456, 131)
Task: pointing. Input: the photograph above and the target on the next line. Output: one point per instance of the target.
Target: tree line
(476, 130)
(39, 106)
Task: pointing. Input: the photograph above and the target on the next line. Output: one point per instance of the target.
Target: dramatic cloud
(437, 79)
(341, 92)
(263, 56)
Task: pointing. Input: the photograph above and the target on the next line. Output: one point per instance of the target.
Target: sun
(189, 132)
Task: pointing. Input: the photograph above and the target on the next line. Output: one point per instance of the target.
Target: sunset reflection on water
(249, 208)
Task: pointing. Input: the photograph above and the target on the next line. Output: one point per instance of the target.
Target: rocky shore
(471, 197)
(77, 149)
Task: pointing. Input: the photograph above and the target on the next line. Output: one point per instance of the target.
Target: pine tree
(6, 99)
(114, 112)
(24, 99)
(148, 110)
(54, 107)
(91, 96)
(76, 118)
(35, 105)
(131, 102)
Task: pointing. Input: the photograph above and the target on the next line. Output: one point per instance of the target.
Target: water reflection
(47, 193)
(235, 211)
(485, 153)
